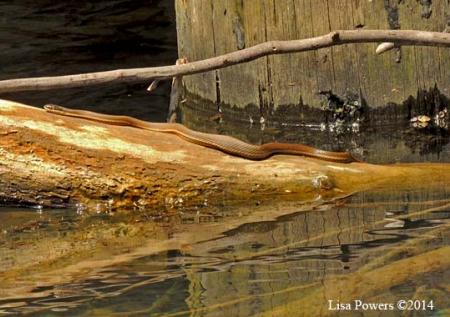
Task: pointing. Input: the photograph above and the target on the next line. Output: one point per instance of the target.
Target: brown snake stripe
(219, 142)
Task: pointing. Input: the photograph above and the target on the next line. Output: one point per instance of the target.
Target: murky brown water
(300, 251)
(288, 259)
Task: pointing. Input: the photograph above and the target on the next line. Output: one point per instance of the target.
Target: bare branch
(399, 37)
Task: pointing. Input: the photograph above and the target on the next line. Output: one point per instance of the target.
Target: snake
(223, 143)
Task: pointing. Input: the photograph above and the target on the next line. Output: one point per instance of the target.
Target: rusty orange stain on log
(97, 168)
(105, 170)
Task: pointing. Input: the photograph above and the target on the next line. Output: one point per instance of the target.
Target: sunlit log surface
(50, 160)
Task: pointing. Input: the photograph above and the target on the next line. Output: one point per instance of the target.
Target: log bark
(51, 160)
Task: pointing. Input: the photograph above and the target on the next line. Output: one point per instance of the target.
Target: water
(253, 268)
(289, 258)
(385, 142)
(45, 38)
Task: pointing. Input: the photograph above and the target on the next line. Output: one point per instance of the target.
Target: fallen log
(50, 160)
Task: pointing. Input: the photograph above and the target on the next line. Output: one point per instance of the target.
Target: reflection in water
(262, 266)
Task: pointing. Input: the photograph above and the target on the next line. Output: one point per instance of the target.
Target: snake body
(219, 142)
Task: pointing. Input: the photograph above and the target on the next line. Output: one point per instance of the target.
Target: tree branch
(399, 37)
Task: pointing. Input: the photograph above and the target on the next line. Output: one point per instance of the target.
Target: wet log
(51, 160)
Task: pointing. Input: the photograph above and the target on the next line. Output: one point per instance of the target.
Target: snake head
(52, 107)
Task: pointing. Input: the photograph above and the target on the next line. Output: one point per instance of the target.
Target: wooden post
(287, 86)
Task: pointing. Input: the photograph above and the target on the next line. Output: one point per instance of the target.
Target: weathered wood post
(289, 86)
